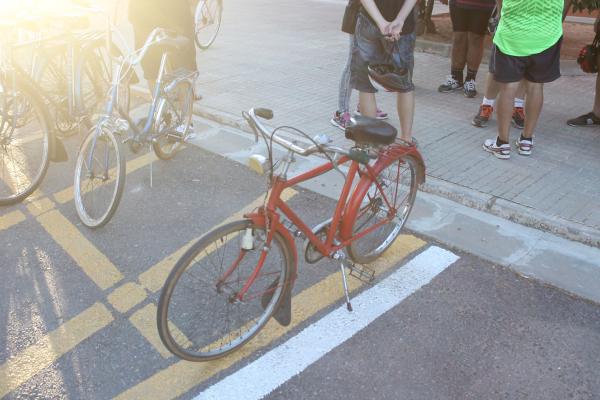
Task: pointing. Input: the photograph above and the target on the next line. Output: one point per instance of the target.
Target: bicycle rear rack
(361, 272)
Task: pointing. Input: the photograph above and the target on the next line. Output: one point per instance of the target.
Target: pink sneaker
(380, 114)
(340, 120)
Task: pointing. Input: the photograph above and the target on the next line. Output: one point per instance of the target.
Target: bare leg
(474, 52)
(533, 107)
(596, 109)
(406, 112)
(459, 50)
(491, 87)
(505, 108)
(521, 89)
(368, 106)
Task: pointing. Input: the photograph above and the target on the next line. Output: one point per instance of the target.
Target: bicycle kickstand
(340, 257)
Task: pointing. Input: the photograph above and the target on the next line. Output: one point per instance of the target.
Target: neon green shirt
(529, 27)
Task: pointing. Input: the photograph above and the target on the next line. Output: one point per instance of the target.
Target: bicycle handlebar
(258, 127)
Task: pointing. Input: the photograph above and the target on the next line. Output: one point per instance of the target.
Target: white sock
(488, 102)
(519, 103)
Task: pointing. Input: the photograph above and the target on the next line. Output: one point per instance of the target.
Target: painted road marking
(145, 322)
(304, 349)
(183, 376)
(11, 219)
(40, 206)
(127, 296)
(19, 369)
(154, 278)
(66, 195)
(95, 264)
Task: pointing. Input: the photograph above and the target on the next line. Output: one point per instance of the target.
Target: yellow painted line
(37, 207)
(95, 264)
(125, 297)
(66, 195)
(19, 369)
(11, 219)
(182, 376)
(145, 322)
(154, 278)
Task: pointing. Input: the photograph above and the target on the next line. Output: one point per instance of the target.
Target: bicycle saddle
(370, 130)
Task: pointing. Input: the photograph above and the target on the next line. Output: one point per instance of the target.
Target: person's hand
(394, 29)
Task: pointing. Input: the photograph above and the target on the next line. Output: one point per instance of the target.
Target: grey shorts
(371, 48)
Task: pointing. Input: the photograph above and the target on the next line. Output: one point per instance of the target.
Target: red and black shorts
(543, 67)
(469, 20)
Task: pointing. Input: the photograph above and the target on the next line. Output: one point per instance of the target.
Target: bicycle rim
(198, 319)
(99, 178)
(173, 120)
(24, 144)
(398, 182)
(207, 20)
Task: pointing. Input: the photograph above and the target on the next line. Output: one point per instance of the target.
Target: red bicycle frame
(345, 212)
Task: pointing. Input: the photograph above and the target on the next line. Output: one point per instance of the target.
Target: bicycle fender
(283, 312)
(354, 204)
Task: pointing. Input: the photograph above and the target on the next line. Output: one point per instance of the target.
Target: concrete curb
(567, 67)
(511, 211)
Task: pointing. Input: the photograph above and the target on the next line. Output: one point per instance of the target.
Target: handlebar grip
(264, 113)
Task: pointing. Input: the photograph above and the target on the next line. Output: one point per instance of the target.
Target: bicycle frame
(345, 211)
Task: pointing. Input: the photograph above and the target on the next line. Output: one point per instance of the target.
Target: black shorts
(468, 20)
(543, 67)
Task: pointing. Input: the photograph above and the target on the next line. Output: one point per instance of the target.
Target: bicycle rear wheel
(173, 119)
(24, 142)
(99, 178)
(207, 18)
(199, 317)
(393, 202)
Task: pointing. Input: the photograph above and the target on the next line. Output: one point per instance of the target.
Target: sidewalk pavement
(288, 56)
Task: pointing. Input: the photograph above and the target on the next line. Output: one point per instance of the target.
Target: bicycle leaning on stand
(227, 285)
(100, 165)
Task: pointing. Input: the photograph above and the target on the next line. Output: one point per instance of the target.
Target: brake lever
(246, 116)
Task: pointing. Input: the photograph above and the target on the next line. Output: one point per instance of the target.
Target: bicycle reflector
(258, 163)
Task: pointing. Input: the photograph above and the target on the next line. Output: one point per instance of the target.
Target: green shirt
(529, 27)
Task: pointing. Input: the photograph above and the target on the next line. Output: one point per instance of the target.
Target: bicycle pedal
(361, 272)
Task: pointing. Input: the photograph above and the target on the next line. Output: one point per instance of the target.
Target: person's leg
(593, 117)
(458, 57)
(406, 112)
(460, 44)
(368, 106)
(504, 109)
(368, 50)
(342, 115)
(533, 107)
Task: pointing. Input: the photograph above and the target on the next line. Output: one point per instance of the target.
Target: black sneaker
(483, 116)
(470, 88)
(518, 117)
(450, 85)
(585, 120)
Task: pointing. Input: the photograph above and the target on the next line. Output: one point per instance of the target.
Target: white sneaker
(450, 85)
(524, 146)
(502, 151)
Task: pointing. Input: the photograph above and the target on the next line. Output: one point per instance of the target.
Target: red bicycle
(225, 288)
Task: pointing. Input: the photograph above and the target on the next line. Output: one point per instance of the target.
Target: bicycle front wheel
(173, 120)
(207, 17)
(24, 142)
(200, 316)
(389, 199)
(99, 178)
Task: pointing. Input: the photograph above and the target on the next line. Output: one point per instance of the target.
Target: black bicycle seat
(370, 130)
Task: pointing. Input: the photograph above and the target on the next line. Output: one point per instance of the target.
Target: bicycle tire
(175, 328)
(200, 18)
(92, 82)
(171, 126)
(35, 110)
(360, 250)
(93, 218)
(52, 78)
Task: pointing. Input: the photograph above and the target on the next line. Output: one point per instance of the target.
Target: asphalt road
(78, 308)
